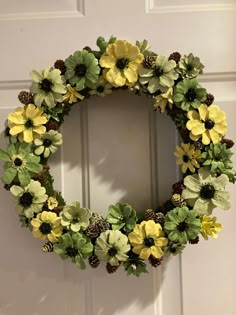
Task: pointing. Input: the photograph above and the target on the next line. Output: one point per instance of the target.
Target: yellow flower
(27, 122)
(52, 203)
(148, 239)
(209, 227)
(208, 123)
(72, 95)
(163, 99)
(121, 62)
(47, 226)
(188, 157)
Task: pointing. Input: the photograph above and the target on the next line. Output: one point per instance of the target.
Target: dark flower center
(122, 63)
(18, 162)
(45, 228)
(26, 200)
(158, 71)
(189, 67)
(46, 85)
(29, 123)
(209, 124)
(47, 142)
(207, 192)
(112, 251)
(80, 70)
(182, 226)
(72, 251)
(100, 89)
(190, 95)
(149, 241)
(185, 158)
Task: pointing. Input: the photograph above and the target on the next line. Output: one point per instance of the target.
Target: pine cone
(110, 268)
(47, 247)
(159, 218)
(59, 64)
(93, 231)
(177, 200)
(94, 261)
(175, 56)
(177, 188)
(199, 145)
(228, 142)
(184, 133)
(149, 62)
(52, 125)
(149, 214)
(103, 225)
(7, 186)
(209, 99)
(195, 241)
(155, 262)
(25, 97)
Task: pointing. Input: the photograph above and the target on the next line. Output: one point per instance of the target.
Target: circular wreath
(124, 238)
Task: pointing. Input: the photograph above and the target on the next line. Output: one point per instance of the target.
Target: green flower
(182, 225)
(47, 87)
(74, 217)
(188, 94)
(48, 143)
(134, 265)
(112, 247)
(122, 216)
(162, 75)
(217, 158)
(30, 199)
(144, 47)
(101, 88)
(174, 248)
(189, 67)
(75, 246)
(205, 192)
(20, 163)
(82, 69)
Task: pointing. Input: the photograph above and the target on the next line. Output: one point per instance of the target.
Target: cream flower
(209, 227)
(188, 157)
(72, 96)
(209, 123)
(163, 99)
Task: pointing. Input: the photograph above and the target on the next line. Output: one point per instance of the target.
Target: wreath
(124, 238)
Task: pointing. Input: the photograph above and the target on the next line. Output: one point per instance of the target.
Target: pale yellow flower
(209, 227)
(188, 157)
(27, 122)
(52, 203)
(72, 96)
(163, 99)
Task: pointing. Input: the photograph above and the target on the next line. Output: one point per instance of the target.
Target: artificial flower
(134, 265)
(205, 192)
(101, 88)
(160, 76)
(144, 47)
(164, 99)
(6, 133)
(122, 216)
(27, 123)
(47, 226)
(112, 247)
(121, 62)
(47, 87)
(72, 96)
(30, 199)
(189, 94)
(148, 239)
(74, 217)
(52, 203)
(20, 163)
(208, 123)
(188, 157)
(182, 225)
(102, 43)
(209, 227)
(174, 248)
(82, 70)
(189, 67)
(48, 143)
(75, 246)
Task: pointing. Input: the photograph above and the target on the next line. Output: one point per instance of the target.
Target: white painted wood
(121, 150)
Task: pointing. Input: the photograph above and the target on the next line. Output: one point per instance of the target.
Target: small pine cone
(94, 261)
(47, 247)
(175, 56)
(199, 145)
(177, 200)
(25, 97)
(209, 99)
(149, 214)
(87, 48)
(59, 64)
(160, 218)
(103, 225)
(93, 231)
(155, 262)
(177, 188)
(149, 62)
(195, 241)
(52, 125)
(110, 268)
(7, 186)
(228, 142)
(184, 133)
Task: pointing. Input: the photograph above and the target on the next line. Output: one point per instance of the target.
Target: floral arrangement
(124, 238)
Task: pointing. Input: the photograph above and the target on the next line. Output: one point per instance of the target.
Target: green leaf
(8, 175)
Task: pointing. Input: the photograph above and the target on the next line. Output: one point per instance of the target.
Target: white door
(121, 151)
